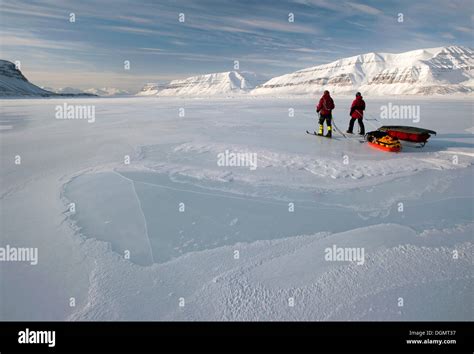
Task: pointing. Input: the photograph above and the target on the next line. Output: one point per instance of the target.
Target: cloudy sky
(91, 51)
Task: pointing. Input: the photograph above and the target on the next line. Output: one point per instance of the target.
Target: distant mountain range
(444, 70)
(105, 91)
(108, 91)
(226, 83)
(432, 71)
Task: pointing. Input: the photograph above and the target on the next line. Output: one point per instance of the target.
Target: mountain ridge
(428, 71)
(14, 84)
(222, 83)
(437, 70)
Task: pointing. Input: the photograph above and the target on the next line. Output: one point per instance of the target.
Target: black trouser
(361, 125)
(328, 119)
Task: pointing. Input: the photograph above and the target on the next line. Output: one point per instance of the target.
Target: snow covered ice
(232, 242)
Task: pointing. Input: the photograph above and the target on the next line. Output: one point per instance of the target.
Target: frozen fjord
(174, 158)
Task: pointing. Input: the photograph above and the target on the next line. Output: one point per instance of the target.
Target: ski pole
(373, 118)
(335, 126)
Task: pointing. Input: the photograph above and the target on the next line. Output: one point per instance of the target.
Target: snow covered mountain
(152, 89)
(65, 90)
(225, 83)
(107, 91)
(104, 92)
(442, 70)
(14, 84)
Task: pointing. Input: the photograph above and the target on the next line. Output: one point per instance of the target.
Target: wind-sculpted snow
(324, 167)
(223, 212)
(410, 213)
(258, 285)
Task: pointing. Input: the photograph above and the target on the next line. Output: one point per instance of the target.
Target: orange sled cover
(395, 148)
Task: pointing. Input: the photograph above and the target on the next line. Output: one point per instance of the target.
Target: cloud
(188, 55)
(127, 29)
(358, 24)
(83, 80)
(29, 40)
(279, 26)
(463, 29)
(447, 35)
(314, 51)
(135, 19)
(338, 7)
(365, 8)
(216, 32)
(152, 49)
(32, 10)
(324, 4)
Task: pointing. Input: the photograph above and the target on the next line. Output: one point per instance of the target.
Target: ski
(355, 137)
(314, 133)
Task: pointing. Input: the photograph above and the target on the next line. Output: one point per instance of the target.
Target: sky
(90, 49)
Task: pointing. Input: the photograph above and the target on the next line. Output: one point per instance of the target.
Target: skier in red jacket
(324, 108)
(357, 112)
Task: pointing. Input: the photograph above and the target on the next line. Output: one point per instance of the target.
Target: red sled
(406, 133)
(385, 147)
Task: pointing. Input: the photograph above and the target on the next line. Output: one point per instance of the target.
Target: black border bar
(219, 337)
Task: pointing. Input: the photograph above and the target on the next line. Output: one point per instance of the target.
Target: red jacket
(357, 108)
(325, 105)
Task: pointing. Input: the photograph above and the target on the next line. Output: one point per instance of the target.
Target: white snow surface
(344, 193)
